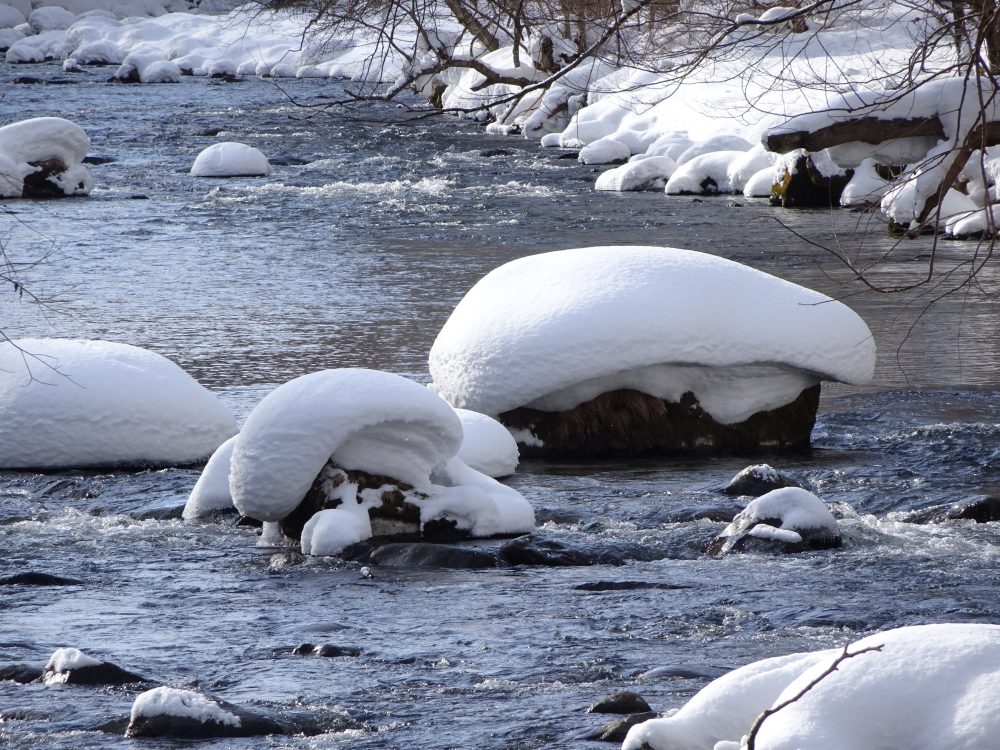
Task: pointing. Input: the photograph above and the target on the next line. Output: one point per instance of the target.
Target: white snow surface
(363, 419)
(487, 446)
(41, 139)
(65, 660)
(929, 686)
(98, 403)
(797, 508)
(705, 173)
(562, 325)
(605, 150)
(211, 491)
(168, 701)
(650, 173)
(229, 159)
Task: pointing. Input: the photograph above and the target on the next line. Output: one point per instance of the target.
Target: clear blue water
(356, 258)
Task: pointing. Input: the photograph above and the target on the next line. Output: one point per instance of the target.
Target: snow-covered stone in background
(866, 187)
(10, 17)
(8, 38)
(365, 421)
(926, 686)
(74, 403)
(713, 144)
(703, 174)
(789, 519)
(50, 18)
(604, 151)
(743, 168)
(148, 68)
(487, 446)
(42, 157)
(99, 52)
(649, 173)
(760, 184)
(229, 159)
(658, 321)
(211, 491)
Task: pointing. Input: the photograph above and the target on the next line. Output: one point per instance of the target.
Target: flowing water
(353, 254)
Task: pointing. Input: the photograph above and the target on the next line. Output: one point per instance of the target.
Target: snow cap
(547, 322)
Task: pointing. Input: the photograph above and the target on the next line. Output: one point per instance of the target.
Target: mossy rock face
(395, 515)
(630, 423)
(806, 187)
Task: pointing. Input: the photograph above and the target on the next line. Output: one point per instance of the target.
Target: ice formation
(658, 320)
(50, 143)
(369, 421)
(73, 403)
(230, 159)
(927, 686)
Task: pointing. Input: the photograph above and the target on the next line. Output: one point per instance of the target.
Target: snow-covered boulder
(669, 349)
(487, 446)
(211, 491)
(147, 68)
(743, 168)
(604, 151)
(43, 158)
(50, 18)
(185, 714)
(789, 519)
(229, 159)
(9, 37)
(866, 187)
(760, 184)
(98, 52)
(71, 666)
(73, 403)
(649, 173)
(704, 174)
(10, 17)
(352, 446)
(926, 686)
(804, 180)
(757, 480)
(711, 145)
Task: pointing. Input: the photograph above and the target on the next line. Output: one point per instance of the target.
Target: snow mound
(487, 446)
(229, 159)
(792, 517)
(10, 17)
(52, 18)
(51, 140)
(927, 686)
(211, 491)
(605, 150)
(650, 173)
(369, 421)
(713, 144)
(706, 173)
(652, 319)
(760, 184)
(167, 701)
(74, 403)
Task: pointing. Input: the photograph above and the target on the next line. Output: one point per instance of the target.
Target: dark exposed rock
(37, 185)
(528, 550)
(34, 578)
(622, 702)
(130, 75)
(104, 673)
(33, 81)
(163, 510)
(98, 160)
(982, 509)
(22, 673)
(807, 187)
(492, 152)
(210, 132)
(225, 77)
(571, 155)
(286, 160)
(744, 539)
(758, 480)
(630, 423)
(22, 715)
(425, 555)
(138, 197)
(251, 724)
(600, 586)
(682, 673)
(615, 731)
(325, 649)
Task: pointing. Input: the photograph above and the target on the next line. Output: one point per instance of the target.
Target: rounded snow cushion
(548, 322)
(10, 17)
(642, 174)
(71, 403)
(42, 138)
(360, 419)
(604, 151)
(51, 18)
(211, 491)
(229, 159)
(488, 447)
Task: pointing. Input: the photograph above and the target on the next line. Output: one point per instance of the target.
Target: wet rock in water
(286, 160)
(70, 666)
(787, 520)
(529, 550)
(185, 714)
(615, 731)
(621, 702)
(492, 152)
(162, 510)
(98, 160)
(600, 586)
(21, 673)
(426, 555)
(982, 509)
(329, 650)
(806, 186)
(681, 673)
(43, 183)
(574, 155)
(34, 578)
(210, 133)
(22, 715)
(758, 480)
(33, 81)
(630, 423)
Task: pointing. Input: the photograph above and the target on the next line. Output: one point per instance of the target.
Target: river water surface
(353, 253)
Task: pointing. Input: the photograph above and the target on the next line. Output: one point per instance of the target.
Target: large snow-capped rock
(230, 159)
(788, 519)
(72, 403)
(327, 448)
(554, 331)
(926, 686)
(43, 158)
(185, 714)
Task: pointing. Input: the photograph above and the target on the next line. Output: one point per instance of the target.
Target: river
(353, 253)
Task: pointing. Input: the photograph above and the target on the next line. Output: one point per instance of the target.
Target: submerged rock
(328, 650)
(785, 520)
(528, 550)
(627, 422)
(982, 509)
(34, 578)
(757, 480)
(425, 555)
(185, 714)
(21, 673)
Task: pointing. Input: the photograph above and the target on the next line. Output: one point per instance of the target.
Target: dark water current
(355, 257)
